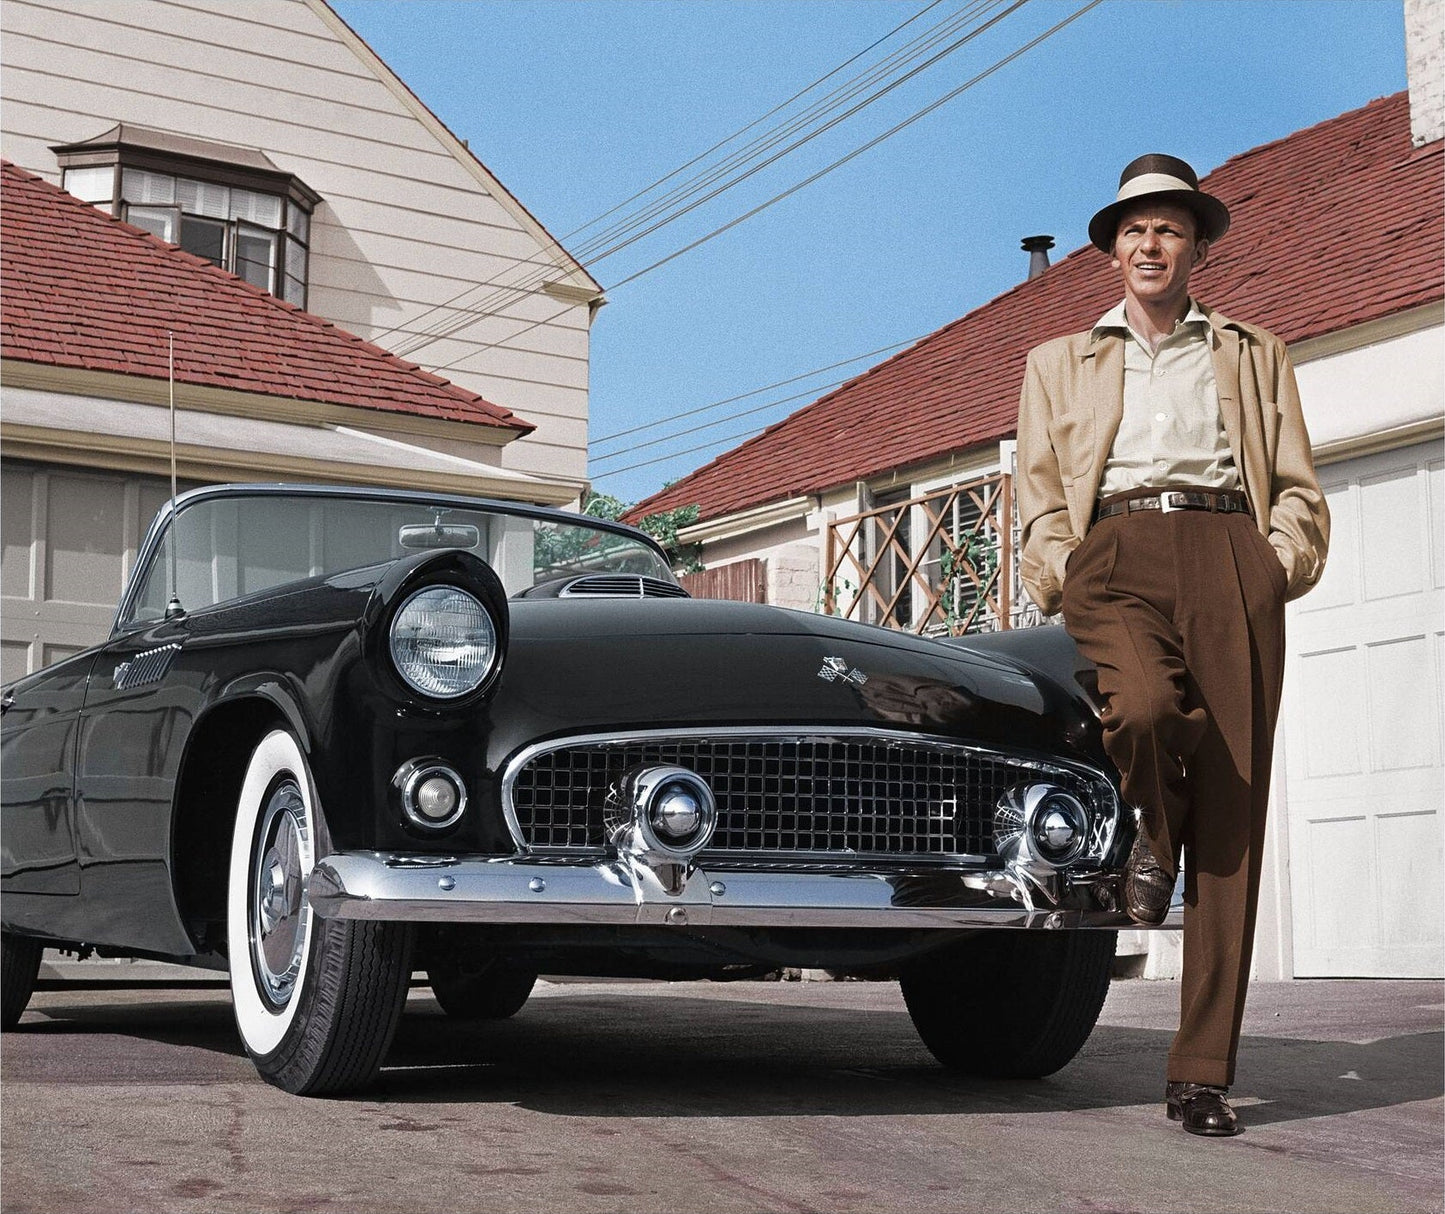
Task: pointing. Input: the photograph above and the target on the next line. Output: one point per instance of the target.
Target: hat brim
(1212, 214)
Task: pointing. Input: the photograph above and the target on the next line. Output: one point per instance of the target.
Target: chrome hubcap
(279, 911)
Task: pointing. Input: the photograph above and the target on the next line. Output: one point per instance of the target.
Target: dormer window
(229, 205)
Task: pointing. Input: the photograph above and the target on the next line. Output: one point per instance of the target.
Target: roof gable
(1333, 226)
(83, 290)
(459, 150)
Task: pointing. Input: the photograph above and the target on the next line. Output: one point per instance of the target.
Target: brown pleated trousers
(1183, 614)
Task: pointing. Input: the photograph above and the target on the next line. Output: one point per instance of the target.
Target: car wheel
(1010, 1004)
(486, 990)
(317, 1001)
(19, 964)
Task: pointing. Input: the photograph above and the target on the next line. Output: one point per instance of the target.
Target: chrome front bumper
(381, 886)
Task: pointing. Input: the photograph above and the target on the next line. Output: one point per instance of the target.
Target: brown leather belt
(1178, 499)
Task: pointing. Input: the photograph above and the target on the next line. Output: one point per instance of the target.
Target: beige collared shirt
(1172, 432)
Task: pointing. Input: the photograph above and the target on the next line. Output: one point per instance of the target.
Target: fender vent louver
(622, 586)
(149, 666)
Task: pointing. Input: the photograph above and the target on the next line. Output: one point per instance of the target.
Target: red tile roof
(1333, 226)
(84, 290)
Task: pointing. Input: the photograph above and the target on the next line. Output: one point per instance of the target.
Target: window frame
(296, 197)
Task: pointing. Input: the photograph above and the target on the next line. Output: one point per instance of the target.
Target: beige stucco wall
(407, 219)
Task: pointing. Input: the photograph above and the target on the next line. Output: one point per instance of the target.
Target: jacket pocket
(1072, 437)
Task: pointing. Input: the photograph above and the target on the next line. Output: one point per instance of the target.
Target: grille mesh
(619, 585)
(822, 795)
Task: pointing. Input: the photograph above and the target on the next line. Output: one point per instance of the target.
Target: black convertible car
(338, 736)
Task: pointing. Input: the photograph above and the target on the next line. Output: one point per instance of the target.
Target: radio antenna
(173, 603)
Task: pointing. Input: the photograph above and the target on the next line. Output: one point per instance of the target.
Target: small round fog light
(436, 798)
(432, 794)
(676, 812)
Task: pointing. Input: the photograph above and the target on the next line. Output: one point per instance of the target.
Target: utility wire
(675, 172)
(722, 143)
(872, 143)
(865, 147)
(722, 421)
(625, 233)
(659, 459)
(782, 383)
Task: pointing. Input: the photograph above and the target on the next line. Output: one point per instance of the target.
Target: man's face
(1156, 248)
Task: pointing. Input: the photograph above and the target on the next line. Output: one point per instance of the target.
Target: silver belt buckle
(1167, 503)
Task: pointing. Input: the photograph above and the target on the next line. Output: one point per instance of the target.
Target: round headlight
(443, 642)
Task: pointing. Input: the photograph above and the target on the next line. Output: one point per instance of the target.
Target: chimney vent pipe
(1037, 247)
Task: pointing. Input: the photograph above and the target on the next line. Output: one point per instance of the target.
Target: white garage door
(1362, 722)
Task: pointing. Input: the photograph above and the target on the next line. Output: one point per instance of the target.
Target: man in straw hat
(1170, 508)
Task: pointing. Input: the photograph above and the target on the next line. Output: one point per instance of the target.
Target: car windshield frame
(153, 547)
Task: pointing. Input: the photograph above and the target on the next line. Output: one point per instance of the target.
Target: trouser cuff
(1185, 1068)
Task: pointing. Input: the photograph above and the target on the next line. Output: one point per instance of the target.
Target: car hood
(596, 666)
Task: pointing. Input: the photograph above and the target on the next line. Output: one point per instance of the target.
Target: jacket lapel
(1105, 371)
(1226, 381)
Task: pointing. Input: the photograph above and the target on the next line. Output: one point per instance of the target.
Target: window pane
(203, 198)
(295, 290)
(205, 238)
(96, 184)
(298, 223)
(160, 221)
(256, 257)
(253, 207)
(137, 185)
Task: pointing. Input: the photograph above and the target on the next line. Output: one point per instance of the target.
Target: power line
(811, 179)
(722, 421)
(872, 143)
(624, 233)
(675, 172)
(659, 459)
(755, 122)
(782, 383)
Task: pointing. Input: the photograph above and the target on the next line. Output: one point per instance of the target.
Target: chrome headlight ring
(443, 642)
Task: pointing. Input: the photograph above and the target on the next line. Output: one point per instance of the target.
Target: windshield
(238, 545)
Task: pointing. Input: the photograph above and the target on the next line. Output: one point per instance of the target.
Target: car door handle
(5, 702)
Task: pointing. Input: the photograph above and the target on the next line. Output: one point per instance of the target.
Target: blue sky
(577, 104)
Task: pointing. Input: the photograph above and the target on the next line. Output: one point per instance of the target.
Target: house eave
(148, 390)
(745, 522)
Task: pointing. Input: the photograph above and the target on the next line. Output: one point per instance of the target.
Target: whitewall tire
(316, 1001)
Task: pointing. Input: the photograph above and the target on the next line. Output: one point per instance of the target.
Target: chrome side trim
(370, 885)
(1046, 765)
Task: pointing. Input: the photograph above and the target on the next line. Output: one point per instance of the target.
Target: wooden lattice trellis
(942, 561)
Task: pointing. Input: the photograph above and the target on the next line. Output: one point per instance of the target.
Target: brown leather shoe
(1202, 1107)
(1147, 887)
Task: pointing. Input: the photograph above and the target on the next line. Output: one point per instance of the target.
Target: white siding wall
(403, 224)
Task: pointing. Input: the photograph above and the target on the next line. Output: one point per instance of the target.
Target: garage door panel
(1333, 879)
(1338, 585)
(1362, 725)
(1436, 494)
(1331, 714)
(1410, 848)
(1404, 726)
(1394, 533)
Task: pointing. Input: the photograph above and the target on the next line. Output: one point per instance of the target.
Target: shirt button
(1161, 464)
(1159, 417)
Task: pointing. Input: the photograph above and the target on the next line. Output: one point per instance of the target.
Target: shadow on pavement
(609, 1055)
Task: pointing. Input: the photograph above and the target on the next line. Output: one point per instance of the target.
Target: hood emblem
(836, 668)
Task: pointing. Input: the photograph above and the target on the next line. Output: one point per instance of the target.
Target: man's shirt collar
(1115, 319)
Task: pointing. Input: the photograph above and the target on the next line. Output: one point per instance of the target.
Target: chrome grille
(815, 795)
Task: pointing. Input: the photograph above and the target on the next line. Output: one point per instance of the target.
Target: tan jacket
(1072, 402)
